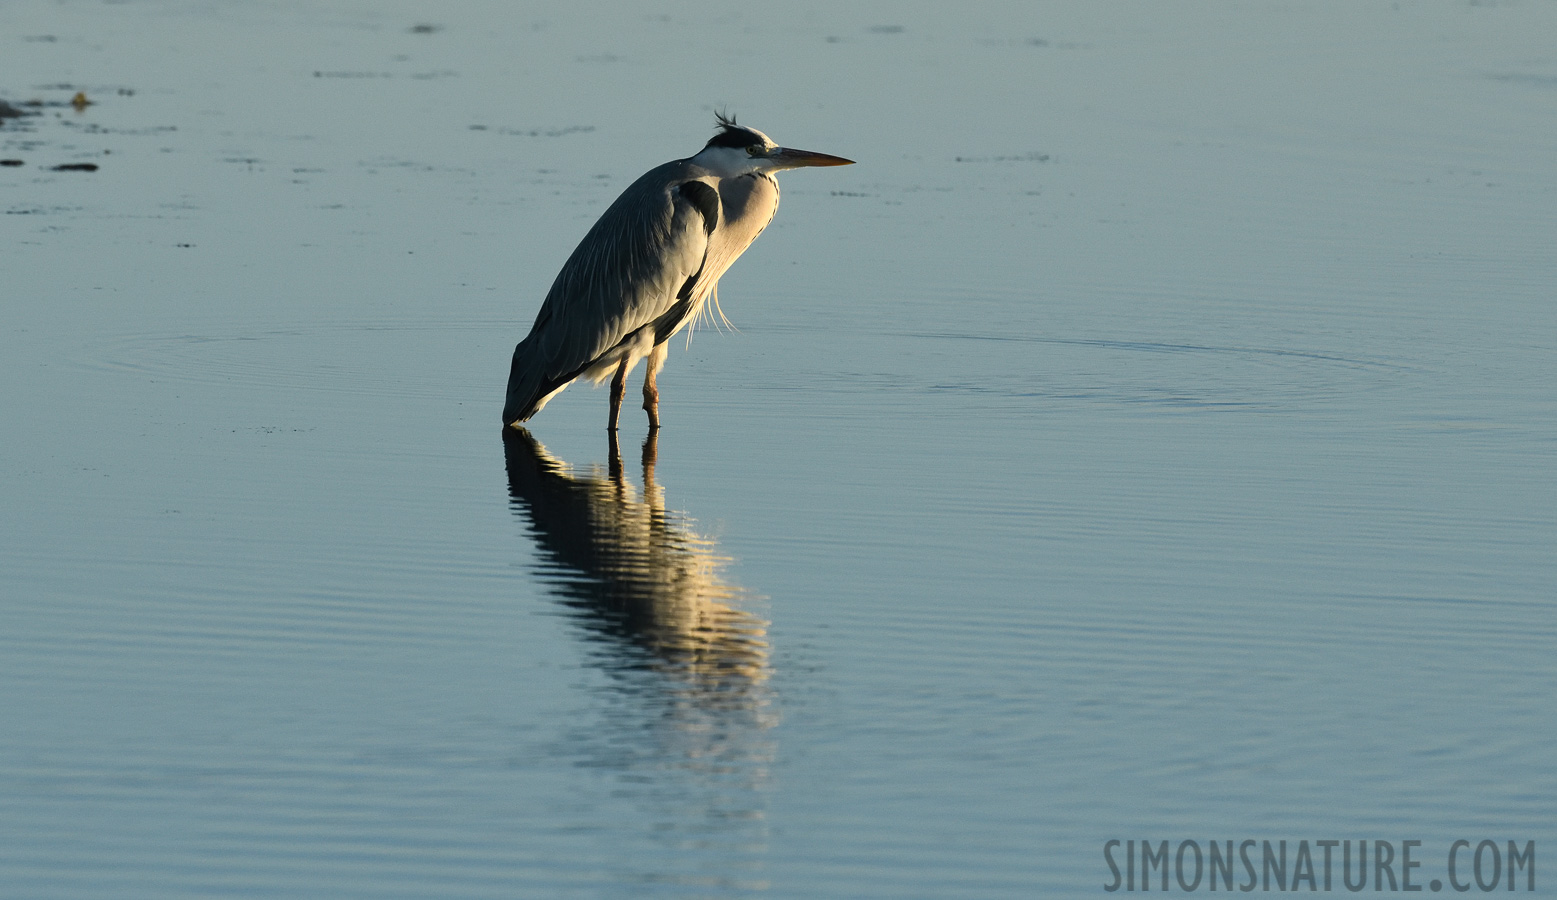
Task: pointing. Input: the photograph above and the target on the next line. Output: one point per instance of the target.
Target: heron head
(738, 150)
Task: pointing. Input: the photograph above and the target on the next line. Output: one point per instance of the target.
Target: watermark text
(1329, 865)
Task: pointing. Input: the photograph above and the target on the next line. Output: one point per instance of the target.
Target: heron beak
(795, 159)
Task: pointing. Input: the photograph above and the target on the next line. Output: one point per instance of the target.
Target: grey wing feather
(706, 200)
(631, 270)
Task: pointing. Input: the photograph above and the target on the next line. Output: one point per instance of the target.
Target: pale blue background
(1151, 438)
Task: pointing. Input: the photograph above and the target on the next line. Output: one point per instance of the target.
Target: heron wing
(706, 200)
(746, 205)
(633, 268)
(628, 271)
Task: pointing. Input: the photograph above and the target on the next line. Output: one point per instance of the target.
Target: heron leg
(651, 393)
(618, 391)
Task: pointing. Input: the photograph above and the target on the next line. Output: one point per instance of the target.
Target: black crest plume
(733, 135)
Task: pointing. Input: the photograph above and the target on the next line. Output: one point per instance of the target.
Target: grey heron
(648, 267)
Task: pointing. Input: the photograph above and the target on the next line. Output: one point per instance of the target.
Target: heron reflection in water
(637, 576)
(687, 721)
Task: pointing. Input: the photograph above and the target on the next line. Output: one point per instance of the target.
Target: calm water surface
(1151, 438)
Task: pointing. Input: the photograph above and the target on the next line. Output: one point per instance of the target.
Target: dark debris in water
(11, 162)
(1030, 42)
(1033, 156)
(426, 28)
(74, 167)
(79, 101)
(537, 132)
(1526, 78)
(94, 128)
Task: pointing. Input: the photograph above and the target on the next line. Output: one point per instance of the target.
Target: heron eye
(754, 150)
